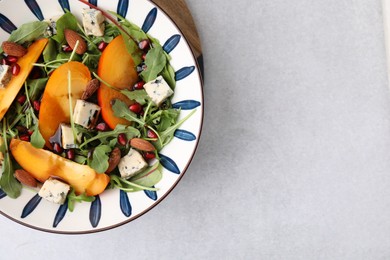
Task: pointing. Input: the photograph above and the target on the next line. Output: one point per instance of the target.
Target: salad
(84, 107)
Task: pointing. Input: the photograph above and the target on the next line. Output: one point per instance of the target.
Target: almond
(13, 49)
(91, 88)
(25, 178)
(114, 159)
(142, 145)
(72, 37)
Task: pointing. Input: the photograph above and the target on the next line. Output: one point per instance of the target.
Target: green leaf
(50, 52)
(148, 177)
(91, 60)
(67, 21)
(73, 198)
(36, 87)
(99, 160)
(168, 118)
(168, 74)
(155, 62)
(140, 96)
(28, 32)
(37, 139)
(121, 110)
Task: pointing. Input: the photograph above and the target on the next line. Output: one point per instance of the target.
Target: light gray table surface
(294, 158)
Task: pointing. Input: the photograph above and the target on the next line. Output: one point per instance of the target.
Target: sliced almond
(114, 159)
(72, 37)
(13, 49)
(91, 88)
(25, 178)
(142, 145)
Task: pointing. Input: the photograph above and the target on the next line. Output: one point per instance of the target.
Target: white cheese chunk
(93, 22)
(158, 90)
(86, 113)
(5, 75)
(54, 191)
(67, 137)
(52, 28)
(131, 164)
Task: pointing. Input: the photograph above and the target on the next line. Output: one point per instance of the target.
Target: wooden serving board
(180, 14)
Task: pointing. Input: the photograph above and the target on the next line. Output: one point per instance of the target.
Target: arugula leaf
(28, 32)
(50, 52)
(168, 74)
(66, 21)
(36, 87)
(148, 177)
(121, 110)
(91, 60)
(167, 118)
(37, 139)
(99, 160)
(155, 62)
(73, 198)
(140, 96)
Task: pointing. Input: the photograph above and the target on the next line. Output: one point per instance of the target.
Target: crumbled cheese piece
(93, 22)
(67, 137)
(131, 164)
(158, 90)
(86, 113)
(52, 28)
(5, 75)
(54, 191)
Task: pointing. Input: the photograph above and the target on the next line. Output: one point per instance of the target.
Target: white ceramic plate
(114, 207)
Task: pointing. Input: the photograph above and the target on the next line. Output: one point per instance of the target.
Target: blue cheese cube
(158, 90)
(67, 138)
(52, 28)
(131, 164)
(86, 113)
(5, 75)
(54, 191)
(93, 22)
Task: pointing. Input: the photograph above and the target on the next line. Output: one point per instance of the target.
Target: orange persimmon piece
(55, 101)
(43, 164)
(117, 68)
(8, 94)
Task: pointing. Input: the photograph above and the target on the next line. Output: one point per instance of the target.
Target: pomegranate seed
(30, 132)
(122, 140)
(136, 108)
(70, 154)
(66, 48)
(57, 148)
(144, 45)
(36, 105)
(151, 134)
(12, 59)
(101, 127)
(21, 99)
(4, 61)
(102, 45)
(139, 85)
(15, 69)
(25, 137)
(149, 155)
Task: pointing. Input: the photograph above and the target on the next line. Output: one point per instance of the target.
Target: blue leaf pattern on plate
(125, 203)
(94, 2)
(31, 205)
(95, 212)
(171, 43)
(184, 72)
(35, 9)
(60, 213)
(2, 194)
(6, 24)
(149, 20)
(186, 104)
(64, 5)
(151, 194)
(184, 135)
(169, 164)
(123, 5)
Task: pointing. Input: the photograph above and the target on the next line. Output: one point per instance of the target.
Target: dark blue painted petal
(94, 2)
(151, 194)
(64, 5)
(35, 9)
(171, 43)
(95, 212)
(186, 104)
(125, 203)
(6, 24)
(60, 213)
(2, 194)
(169, 164)
(31, 205)
(149, 20)
(184, 135)
(184, 72)
(123, 6)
